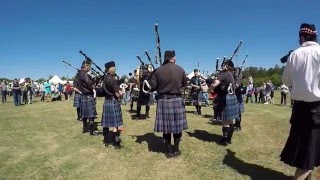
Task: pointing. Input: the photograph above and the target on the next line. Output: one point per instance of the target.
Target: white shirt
(302, 72)
(249, 89)
(284, 89)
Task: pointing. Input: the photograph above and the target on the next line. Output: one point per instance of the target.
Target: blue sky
(36, 35)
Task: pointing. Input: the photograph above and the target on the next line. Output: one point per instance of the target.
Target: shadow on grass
(155, 143)
(205, 136)
(131, 111)
(208, 116)
(215, 123)
(141, 117)
(280, 105)
(191, 112)
(256, 172)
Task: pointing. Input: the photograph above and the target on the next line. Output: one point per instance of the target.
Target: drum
(135, 94)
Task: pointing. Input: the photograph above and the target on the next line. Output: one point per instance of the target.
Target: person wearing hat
(143, 98)
(171, 118)
(87, 101)
(77, 96)
(227, 108)
(302, 149)
(112, 114)
(196, 91)
(239, 91)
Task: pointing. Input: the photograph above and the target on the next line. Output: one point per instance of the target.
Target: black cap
(196, 70)
(84, 62)
(168, 55)
(229, 63)
(109, 65)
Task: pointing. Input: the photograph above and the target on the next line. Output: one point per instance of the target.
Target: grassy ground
(44, 141)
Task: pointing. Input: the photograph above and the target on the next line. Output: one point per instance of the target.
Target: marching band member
(87, 102)
(302, 149)
(227, 106)
(77, 96)
(171, 118)
(112, 114)
(239, 91)
(196, 91)
(144, 98)
(133, 83)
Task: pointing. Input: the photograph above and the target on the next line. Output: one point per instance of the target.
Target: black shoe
(224, 141)
(177, 153)
(79, 119)
(168, 154)
(117, 145)
(106, 144)
(168, 151)
(84, 130)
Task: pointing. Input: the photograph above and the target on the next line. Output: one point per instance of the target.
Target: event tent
(55, 80)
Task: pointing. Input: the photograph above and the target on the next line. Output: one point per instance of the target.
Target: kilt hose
(88, 107)
(76, 100)
(171, 116)
(111, 115)
(227, 107)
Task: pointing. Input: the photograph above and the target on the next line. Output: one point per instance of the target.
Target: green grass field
(44, 141)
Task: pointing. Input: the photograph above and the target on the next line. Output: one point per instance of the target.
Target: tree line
(259, 74)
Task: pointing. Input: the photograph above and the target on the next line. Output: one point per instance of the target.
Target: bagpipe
(98, 85)
(146, 70)
(237, 73)
(284, 59)
(93, 74)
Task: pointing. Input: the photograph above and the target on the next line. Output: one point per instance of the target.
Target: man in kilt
(133, 82)
(77, 96)
(227, 105)
(196, 91)
(240, 91)
(302, 149)
(144, 98)
(112, 114)
(87, 101)
(168, 80)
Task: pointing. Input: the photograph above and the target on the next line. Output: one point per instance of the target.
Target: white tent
(65, 82)
(22, 80)
(55, 80)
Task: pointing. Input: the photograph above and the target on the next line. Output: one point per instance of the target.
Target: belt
(110, 98)
(168, 96)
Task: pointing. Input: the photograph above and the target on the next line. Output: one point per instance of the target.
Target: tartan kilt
(143, 99)
(171, 116)
(76, 100)
(112, 114)
(87, 106)
(227, 107)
